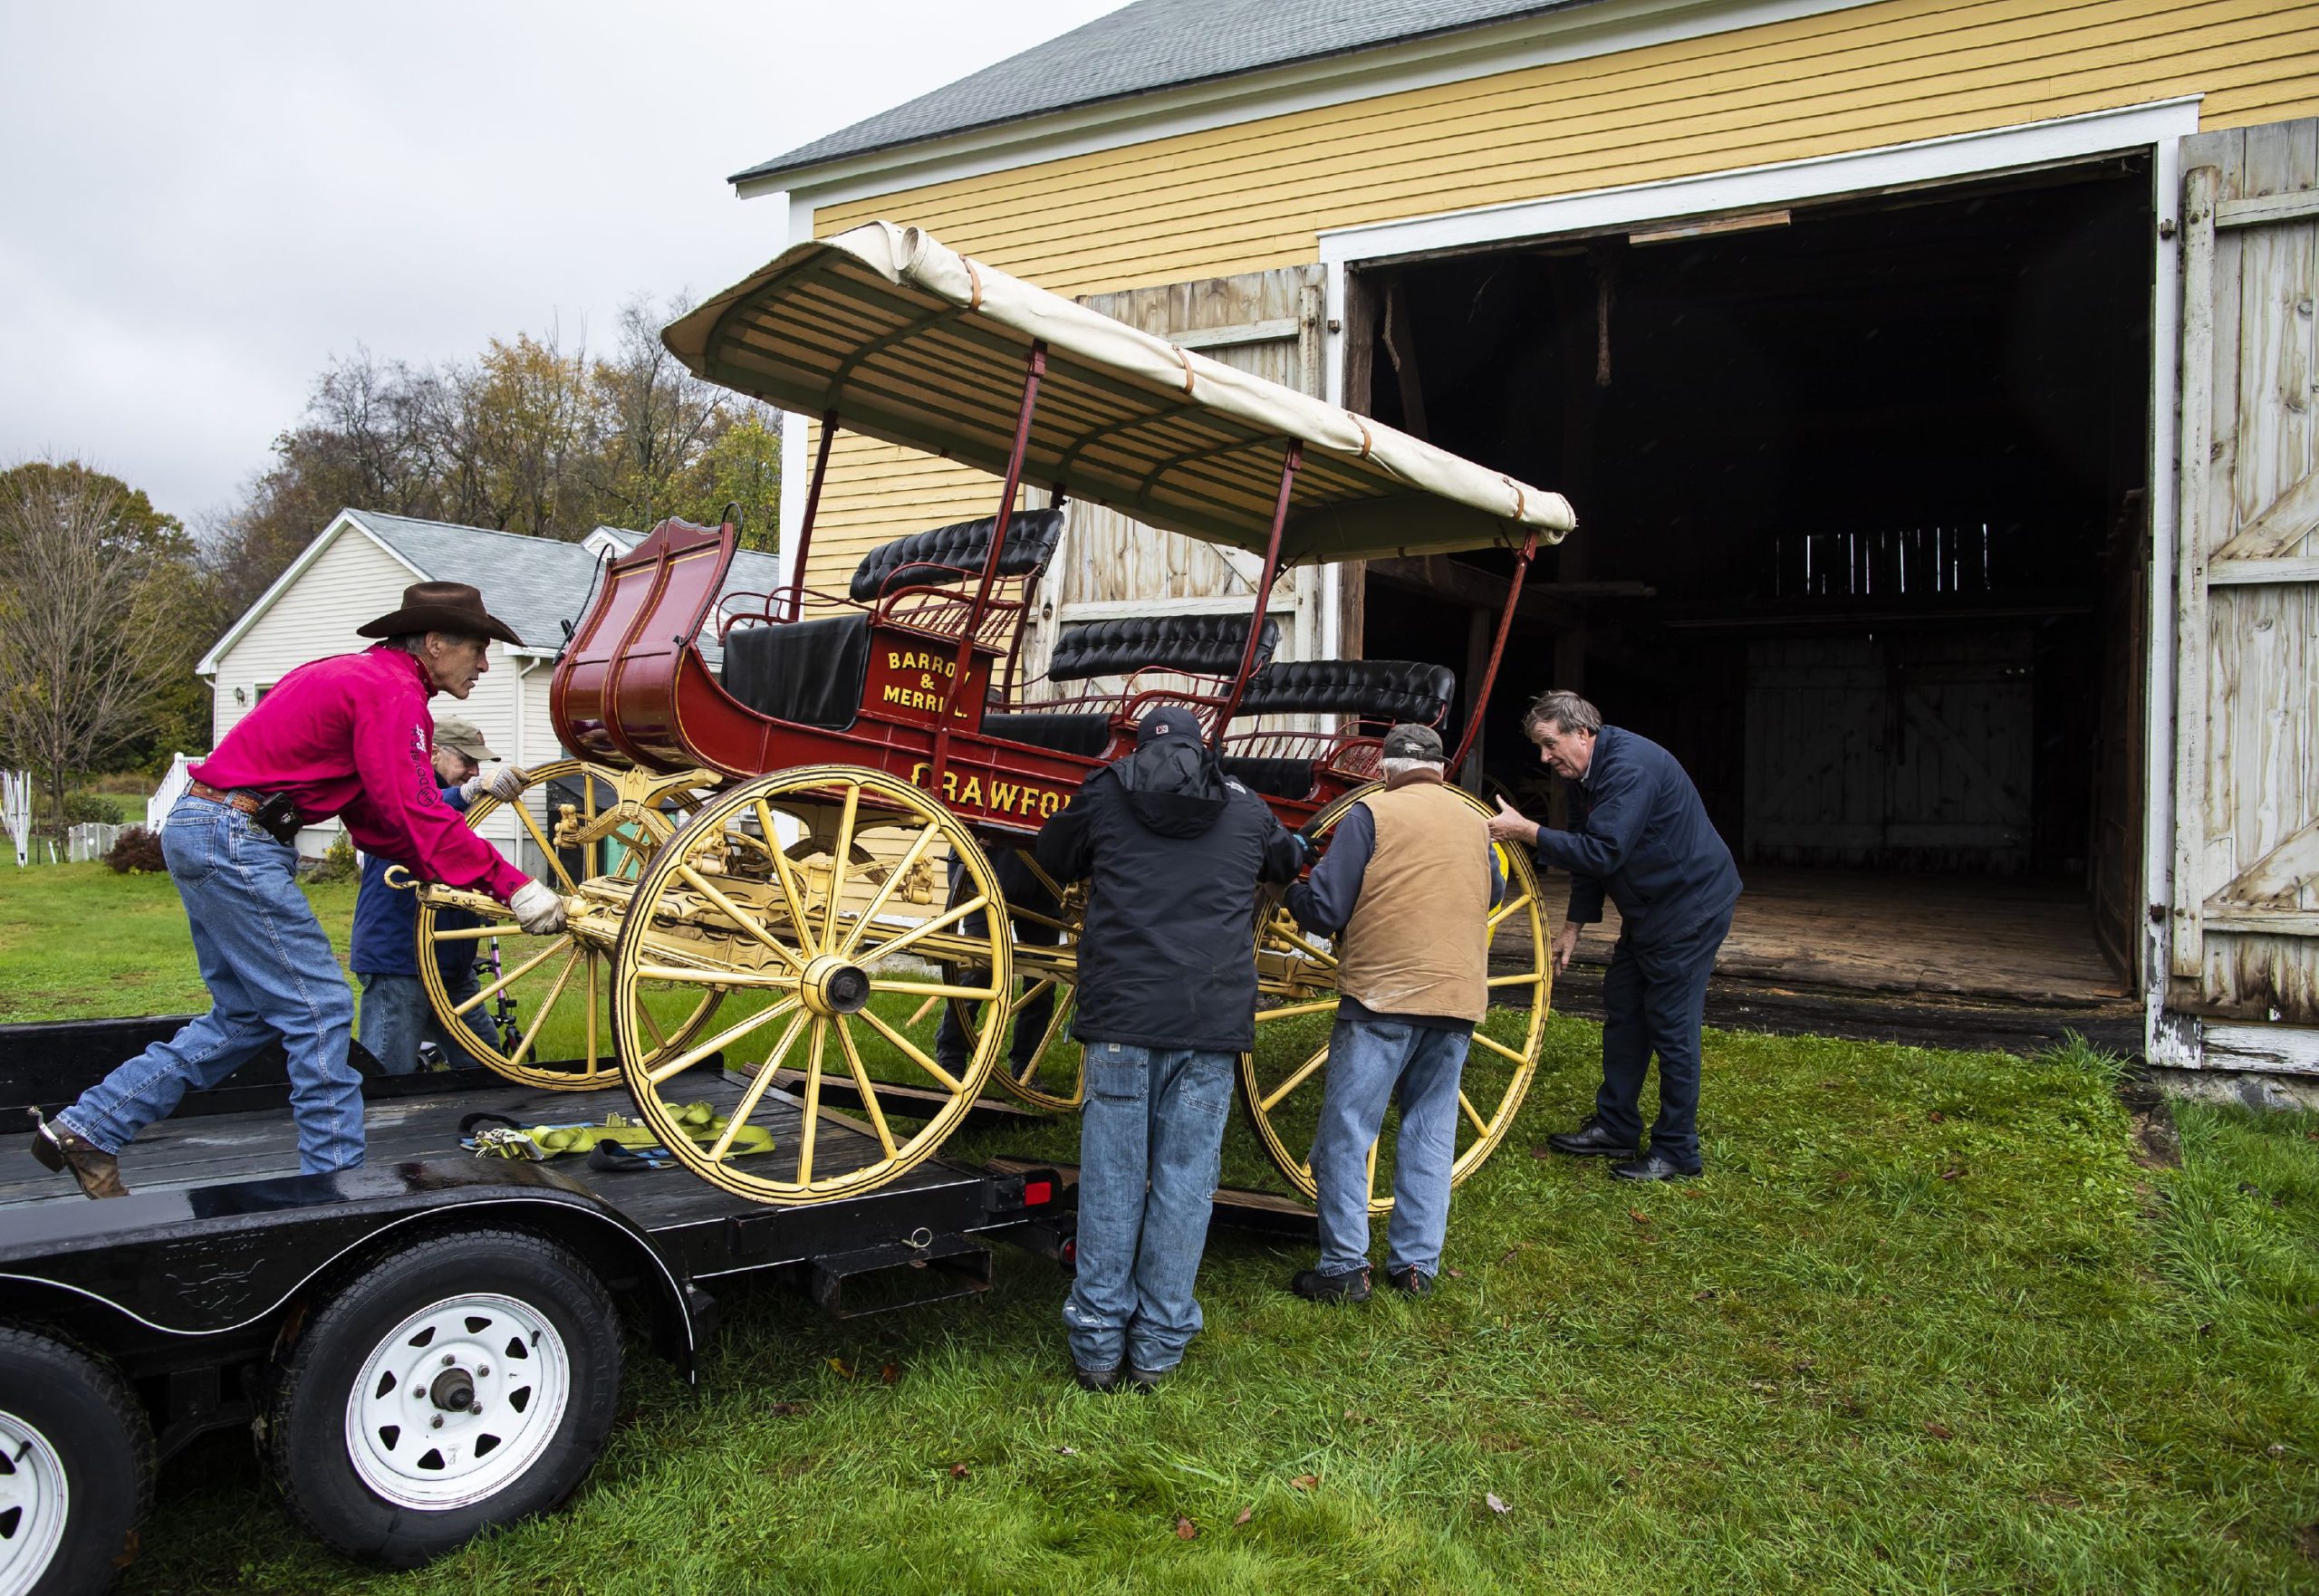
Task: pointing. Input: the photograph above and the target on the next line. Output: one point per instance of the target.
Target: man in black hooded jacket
(1173, 850)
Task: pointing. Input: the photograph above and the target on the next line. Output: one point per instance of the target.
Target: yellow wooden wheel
(1296, 999)
(537, 1009)
(1037, 1060)
(798, 895)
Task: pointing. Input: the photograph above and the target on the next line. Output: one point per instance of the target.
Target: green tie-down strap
(698, 1121)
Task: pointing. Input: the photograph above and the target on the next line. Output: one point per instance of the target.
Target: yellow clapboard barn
(1934, 383)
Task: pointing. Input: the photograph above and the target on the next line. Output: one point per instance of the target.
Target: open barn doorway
(1863, 541)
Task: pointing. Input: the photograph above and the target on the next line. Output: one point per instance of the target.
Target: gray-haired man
(1639, 833)
(1406, 889)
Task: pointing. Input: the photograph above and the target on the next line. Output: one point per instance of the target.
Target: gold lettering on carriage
(1003, 797)
(933, 683)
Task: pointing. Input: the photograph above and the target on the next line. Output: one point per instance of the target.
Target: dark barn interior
(1861, 494)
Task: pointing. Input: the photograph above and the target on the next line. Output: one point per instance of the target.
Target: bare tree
(90, 618)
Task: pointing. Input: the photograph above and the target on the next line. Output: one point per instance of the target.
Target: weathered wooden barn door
(1896, 752)
(1110, 564)
(2245, 915)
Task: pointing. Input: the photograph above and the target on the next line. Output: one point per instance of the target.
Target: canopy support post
(1497, 651)
(1288, 463)
(1033, 369)
(797, 600)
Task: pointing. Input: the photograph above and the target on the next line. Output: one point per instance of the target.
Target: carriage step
(900, 1274)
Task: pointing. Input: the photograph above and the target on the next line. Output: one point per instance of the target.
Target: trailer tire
(76, 1469)
(461, 1384)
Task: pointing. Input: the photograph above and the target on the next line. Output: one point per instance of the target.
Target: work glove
(537, 909)
(496, 779)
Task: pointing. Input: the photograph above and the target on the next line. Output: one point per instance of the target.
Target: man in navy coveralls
(1640, 833)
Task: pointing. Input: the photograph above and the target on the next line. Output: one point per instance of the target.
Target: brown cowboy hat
(441, 606)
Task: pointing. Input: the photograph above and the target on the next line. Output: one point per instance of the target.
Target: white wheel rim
(458, 1402)
(34, 1500)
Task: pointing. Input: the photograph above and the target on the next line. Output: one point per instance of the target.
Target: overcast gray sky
(200, 204)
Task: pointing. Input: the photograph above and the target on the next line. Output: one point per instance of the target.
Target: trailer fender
(225, 1262)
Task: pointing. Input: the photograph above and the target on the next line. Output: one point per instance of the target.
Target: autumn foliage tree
(536, 435)
(95, 625)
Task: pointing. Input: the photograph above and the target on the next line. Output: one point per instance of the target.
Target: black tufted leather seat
(1199, 645)
(1086, 736)
(1378, 689)
(1275, 778)
(807, 672)
(956, 553)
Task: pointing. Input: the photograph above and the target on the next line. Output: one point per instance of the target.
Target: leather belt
(247, 803)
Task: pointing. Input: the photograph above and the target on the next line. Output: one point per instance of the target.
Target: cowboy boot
(62, 1149)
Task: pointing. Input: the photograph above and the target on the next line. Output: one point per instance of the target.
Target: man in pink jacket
(349, 737)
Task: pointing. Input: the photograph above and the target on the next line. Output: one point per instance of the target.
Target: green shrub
(82, 809)
(337, 865)
(137, 849)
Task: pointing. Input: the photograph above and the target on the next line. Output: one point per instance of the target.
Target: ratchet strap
(698, 1121)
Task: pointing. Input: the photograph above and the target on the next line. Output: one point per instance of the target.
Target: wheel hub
(834, 986)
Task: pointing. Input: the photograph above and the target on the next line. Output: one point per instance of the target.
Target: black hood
(1173, 786)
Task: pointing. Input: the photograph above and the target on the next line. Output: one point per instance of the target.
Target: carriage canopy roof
(910, 342)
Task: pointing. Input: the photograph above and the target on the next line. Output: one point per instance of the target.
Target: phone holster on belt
(277, 816)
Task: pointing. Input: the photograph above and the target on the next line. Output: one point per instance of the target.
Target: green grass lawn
(1926, 1325)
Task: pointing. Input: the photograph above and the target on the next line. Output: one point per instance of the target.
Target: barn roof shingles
(1142, 48)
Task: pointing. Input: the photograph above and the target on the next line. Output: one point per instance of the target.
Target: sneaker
(61, 1149)
(1351, 1286)
(1098, 1381)
(1411, 1282)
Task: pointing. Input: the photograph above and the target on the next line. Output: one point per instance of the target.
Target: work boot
(1098, 1381)
(1411, 1282)
(59, 1148)
(1351, 1286)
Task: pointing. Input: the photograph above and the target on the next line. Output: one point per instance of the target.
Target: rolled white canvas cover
(910, 342)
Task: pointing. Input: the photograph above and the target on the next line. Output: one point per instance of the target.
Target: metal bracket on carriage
(631, 791)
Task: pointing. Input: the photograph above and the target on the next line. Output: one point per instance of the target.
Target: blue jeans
(1368, 1061)
(1654, 1000)
(271, 974)
(1152, 1116)
(396, 1018)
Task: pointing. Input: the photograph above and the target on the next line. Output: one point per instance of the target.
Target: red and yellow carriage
(795, 843)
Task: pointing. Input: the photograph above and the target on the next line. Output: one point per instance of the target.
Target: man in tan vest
(1406, 889)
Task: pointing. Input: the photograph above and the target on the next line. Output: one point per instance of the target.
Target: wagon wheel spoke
(789, 894)
(916, 1056)
(723, 1039)
(1371, 1184)
(547, 1006)
(1297, 941)
(524, 813)
(1498, 1047)
(924, 928)
(484, 995)
(747, 922)
(1303, 1073)
(808, 1131)
(1290, 1010)
(1472, 1113)
(1055, 1022)
(1497, 915)
(595, 964)
(758, 1088)
(839, 857)
(1529, 980)
(886, 888)
(860, 1074)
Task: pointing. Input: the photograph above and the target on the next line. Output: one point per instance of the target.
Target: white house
(355, 570)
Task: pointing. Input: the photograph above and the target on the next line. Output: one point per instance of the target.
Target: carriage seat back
(806, 672)
(1197, 645)
(1374, 689)
(956, 553)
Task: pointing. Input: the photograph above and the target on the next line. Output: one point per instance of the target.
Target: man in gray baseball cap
(1406, 889)
(384, 952)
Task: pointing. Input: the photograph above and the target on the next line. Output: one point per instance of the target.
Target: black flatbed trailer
(195, 1303)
